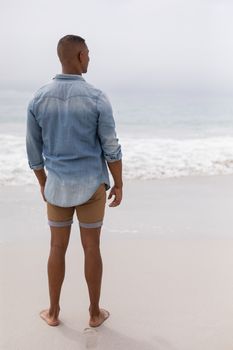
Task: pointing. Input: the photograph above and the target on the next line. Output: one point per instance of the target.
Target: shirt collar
(69, 77)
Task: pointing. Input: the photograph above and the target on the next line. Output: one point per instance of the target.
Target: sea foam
(143, 158)
(165, 158)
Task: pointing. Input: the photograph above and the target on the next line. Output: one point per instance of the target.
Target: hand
(42, 192)
(117, 192)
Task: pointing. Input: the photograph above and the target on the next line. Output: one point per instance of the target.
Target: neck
(71, 70)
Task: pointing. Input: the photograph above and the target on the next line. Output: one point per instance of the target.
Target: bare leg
(56, 271)
(90, 238)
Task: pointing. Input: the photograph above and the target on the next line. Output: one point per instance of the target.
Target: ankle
(94, 311)
(54, 311)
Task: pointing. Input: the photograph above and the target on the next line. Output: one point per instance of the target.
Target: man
(71, 131)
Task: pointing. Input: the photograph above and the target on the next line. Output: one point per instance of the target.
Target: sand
(168, 271)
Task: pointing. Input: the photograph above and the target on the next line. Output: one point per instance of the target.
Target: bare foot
(51, 321)
(96, 321)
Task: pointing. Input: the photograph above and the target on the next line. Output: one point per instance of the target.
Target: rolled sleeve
(106, 130)
(34, 143)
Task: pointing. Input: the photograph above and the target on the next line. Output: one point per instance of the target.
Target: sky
(150, 45)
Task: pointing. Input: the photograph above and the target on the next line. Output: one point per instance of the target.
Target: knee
(91, 248)
(58, 248)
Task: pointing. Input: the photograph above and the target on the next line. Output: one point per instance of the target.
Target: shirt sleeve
(106, 130)
(34, 142)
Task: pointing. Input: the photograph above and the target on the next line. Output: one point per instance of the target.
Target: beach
(167, 279)
(71, 88)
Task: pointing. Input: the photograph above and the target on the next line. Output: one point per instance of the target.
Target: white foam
(13, 159)
(144, 158)
(164, 158)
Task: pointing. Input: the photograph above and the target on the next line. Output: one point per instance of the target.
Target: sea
(162, 135)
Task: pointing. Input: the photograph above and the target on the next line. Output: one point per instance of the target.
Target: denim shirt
(71, 131)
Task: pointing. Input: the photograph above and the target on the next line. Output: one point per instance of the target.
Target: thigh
(59, 216)
(60, 220)
(91, 213)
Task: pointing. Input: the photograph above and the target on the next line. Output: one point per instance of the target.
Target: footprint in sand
(91, 338)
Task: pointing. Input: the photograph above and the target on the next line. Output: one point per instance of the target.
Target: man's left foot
(96, 321)
(51, 321)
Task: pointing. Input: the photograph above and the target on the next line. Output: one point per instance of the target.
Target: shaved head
(69, 47)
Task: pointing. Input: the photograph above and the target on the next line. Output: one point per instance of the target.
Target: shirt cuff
(36, 166)
(113, 157)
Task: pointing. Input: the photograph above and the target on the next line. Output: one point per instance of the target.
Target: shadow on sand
(105, 338)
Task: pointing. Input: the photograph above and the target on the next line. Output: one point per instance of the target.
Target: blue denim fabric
(71, 131)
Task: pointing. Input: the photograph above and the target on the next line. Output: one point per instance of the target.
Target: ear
(80, 56)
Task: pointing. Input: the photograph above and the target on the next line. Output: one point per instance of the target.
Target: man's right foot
(51, 321)
(96, 321)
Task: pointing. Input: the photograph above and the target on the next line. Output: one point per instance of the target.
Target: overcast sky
(149, 44)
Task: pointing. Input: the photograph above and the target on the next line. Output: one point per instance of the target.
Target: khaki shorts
(89, 214)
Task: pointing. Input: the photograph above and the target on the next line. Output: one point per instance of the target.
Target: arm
(34, 146)
(110, 146)
(116, 171)
(41, 177)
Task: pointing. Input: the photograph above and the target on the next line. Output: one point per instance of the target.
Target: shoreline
(179, 208)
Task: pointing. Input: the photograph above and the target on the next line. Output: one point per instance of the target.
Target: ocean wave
(143, 158)
(13, 159)
(166, 158)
